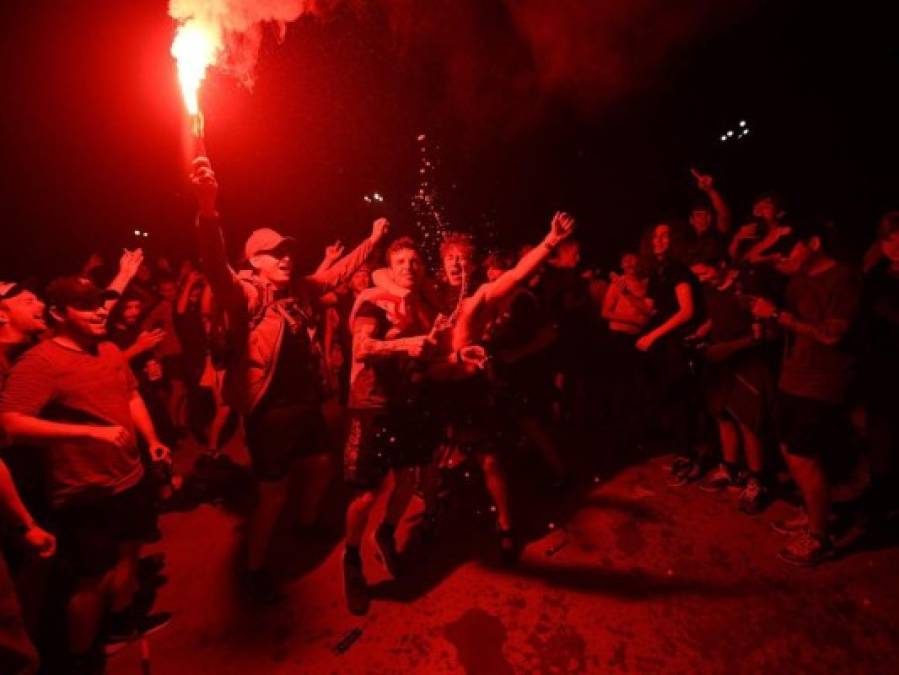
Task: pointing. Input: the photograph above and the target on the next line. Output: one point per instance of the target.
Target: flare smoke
(234, 28)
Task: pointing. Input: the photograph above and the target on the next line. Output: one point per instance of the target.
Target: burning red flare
(195, 48)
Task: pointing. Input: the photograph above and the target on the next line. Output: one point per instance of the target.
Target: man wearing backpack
(274, 372)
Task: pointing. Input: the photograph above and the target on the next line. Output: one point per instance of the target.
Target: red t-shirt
(57, 383)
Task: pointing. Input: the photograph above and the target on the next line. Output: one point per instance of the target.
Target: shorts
(90, 533)
(379, 441)
(277, 436)
(740, 388)
(806, 426)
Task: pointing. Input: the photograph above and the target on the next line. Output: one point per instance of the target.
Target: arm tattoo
(366, 348)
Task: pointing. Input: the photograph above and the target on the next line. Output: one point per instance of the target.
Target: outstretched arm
(343, 269)
(189, 281)
(129, 263)
(758, 254)
(561, 227)
(745, 233)
(706, 183)
(225, 286)
(332, 255)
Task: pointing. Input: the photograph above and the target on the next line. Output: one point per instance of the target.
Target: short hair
(457, 240)
(769, 195)
(399, 245)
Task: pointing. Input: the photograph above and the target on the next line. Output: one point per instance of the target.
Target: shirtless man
(460, 359)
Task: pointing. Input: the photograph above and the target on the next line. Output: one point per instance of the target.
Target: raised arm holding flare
(273, 373)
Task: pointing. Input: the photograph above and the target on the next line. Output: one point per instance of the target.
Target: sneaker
(262, 588)
(807, 549)
(680, 465)
(717, 480)
(385, 550)
(126, 631)
(684, 472)
(753, 498)
(791, 526)
(355, 587)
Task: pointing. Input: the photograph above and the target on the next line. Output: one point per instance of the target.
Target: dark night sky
(92, 123)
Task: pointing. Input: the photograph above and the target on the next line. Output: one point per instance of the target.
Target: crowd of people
(758, 357)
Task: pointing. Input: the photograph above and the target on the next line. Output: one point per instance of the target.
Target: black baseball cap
(78, 293)
(9, 289)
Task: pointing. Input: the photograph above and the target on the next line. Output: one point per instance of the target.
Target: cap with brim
(9, 289)
(264, 239)
(78, 293)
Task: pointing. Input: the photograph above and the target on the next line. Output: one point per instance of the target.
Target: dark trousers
(671, 380)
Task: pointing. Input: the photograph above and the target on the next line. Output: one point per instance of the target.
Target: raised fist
(205, 185)
(703, 180)
(560, 228)
(379, 228)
